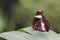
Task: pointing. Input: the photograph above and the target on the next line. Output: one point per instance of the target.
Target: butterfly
(40, 23)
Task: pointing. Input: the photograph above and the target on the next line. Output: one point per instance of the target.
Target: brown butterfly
(40, 23)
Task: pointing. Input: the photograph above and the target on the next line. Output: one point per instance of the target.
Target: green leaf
(21, 30)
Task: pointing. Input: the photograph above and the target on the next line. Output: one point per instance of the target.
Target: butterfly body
(40, 23)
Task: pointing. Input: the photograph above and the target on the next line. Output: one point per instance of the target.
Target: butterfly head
(39, 14)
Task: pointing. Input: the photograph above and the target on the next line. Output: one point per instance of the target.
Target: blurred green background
(23, 13)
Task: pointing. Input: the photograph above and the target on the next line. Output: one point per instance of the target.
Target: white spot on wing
(42, 25)
(38, 16)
